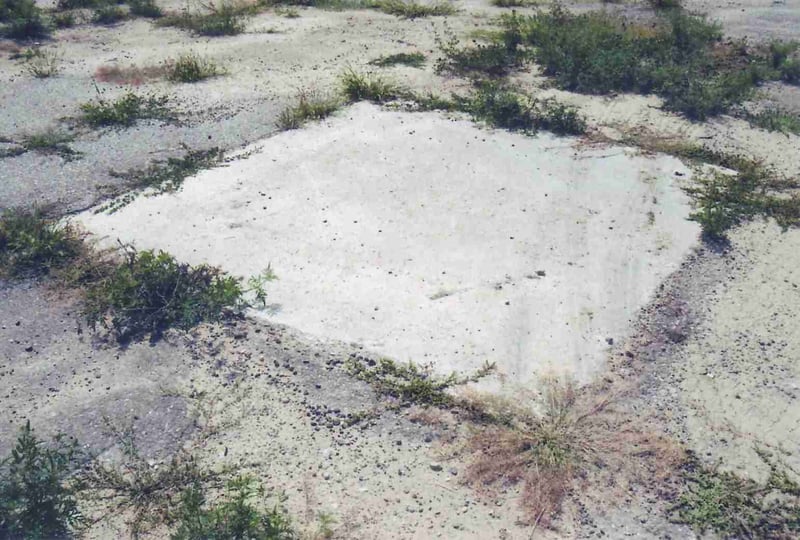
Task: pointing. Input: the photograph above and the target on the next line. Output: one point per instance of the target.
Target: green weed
(359, 87)
(227, 19)
(415, 59)
(51, 142)
(414, 10)
(42, 63)
(191, 67)
(680, 57)
(21, 19)
(509, 110)
(108, 14)
(125, 110)
(150, 292)
(776, 119)
(309, 106)
(64, 20)
(410, 383)
(495, 59)
(37, 491)
(233, 516)
(734, 507)
(34, 245)
(145, 8)
(514, 3)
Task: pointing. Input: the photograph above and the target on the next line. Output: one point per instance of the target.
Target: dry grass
(558, 442)
(131, 75)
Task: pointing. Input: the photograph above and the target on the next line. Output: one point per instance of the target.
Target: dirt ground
(712, 354)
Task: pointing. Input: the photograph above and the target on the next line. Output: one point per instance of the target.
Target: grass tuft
(227, 19)
(150, 292)
(414, 10)
(359, 87)
(776, 119)
(145, 8)
(415, 59)
(514, 3)
(51, 142)
(108, 14)
(309, 106)
(33, 245)
(42, 63)
(192, 67)
(124, 111)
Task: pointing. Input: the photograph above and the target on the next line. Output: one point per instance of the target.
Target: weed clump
(359, 87)
(227, 19)
(414, 10)
(415, 59)
(33, 245)
(509, 110)
(21, 19)
(108, 14)
(410, 383)
(514, 3)
(734, 507)
(150, 292)
(233, 516)
(681, 57)
(37, 492)
(495, 59)
(42, 63)
(145, 8)
(191, 67)
(124, 111)
(776, 119)
(51, 142)
(309, 106)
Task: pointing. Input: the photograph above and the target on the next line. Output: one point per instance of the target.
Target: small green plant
(108, 14)
(287, 12)
(256, 285)
(415, 59)
(51, 142)
(410, 383)
(734, 507)
(414, 10)
(776, 119)
(504, 108)
(723, 200)
(665, 4)
(191, 67)
(64, 20)
(162, 176)
(145, 8)
(233, 516)
(33, 245)
(150, 292)
(42, 63)
(309, 106)
(227, 19)
(359, 87)
(125, 110)
(21, 19)
(37, 490)
(151, 492)
(495, 59)
(514, 3)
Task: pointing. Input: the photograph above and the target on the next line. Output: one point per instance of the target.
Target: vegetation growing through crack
(125, 110)
(309, 106)
(415, 59)
(165, 176)
(51, 141)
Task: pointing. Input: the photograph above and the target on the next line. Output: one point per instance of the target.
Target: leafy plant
(415, 59)
(410, 383)
(735, 507)
(192, 67)
(33, 245)
(150, 292)
(37, 492)
(125, 110)
(234, 516)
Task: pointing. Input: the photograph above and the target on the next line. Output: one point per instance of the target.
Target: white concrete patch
(429, 239)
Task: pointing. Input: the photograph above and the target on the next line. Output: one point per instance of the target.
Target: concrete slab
(430, 239)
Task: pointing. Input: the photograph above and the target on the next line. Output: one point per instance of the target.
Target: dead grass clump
(550, 451)
(130, 75)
